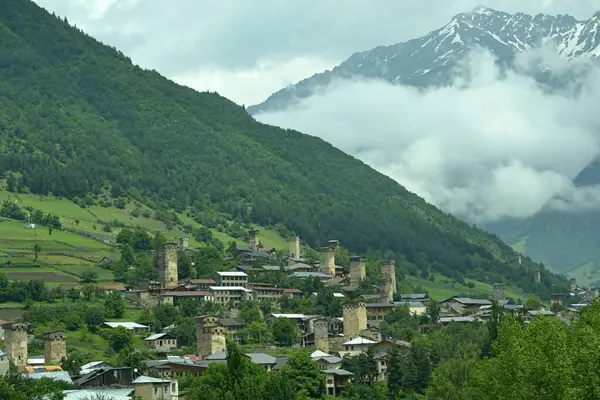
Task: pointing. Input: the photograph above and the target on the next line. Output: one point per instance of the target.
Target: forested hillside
(78, 118)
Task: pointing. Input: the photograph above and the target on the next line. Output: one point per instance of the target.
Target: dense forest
(79, 119)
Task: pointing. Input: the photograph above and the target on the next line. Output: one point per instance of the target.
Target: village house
(133, 326)
(335, 380)
(266, 291)
(231, 278)
(150, 388)
(162, 342)
(173, 297)
(359, 344)
(235, 327)
(230, 295)
(292, 293)
(175, 367)
(200, 284)
(460, 306)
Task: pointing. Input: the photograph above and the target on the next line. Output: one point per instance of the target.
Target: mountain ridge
(430, 60)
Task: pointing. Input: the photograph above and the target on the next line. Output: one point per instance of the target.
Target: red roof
(292, 290)
(193, 293)
(201, 281)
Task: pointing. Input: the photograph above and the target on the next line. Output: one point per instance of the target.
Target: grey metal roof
(470, 301)
(281, 361)
(56, 375)
(414, 296)
(456, 319)
(262, 358)
(330, 359)
(309, 275)
(340, 372)
(148, 379)
(219, 355)
(409, 304)
(271, 267)
(296, 266)
(108, 394)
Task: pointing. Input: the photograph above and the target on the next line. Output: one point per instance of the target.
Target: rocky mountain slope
(430, 60)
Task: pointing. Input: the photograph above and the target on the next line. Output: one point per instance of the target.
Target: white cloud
(248, 86)
(498, 147)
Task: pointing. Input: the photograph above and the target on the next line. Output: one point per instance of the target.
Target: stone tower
(327, 260)
(355, 319)
(294, 244)
(15, 341)
(556, 298)
(254, 239)
(388, 271)
(333, 243)
(357, 271)
(538, 276)
(211, 336)
(55, 347)
(573, 284)
(499, 294)
(167, 264)
(183, 244)
(386, 291)
(321, 331)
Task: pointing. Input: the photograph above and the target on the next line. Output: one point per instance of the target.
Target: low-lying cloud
(498, 146)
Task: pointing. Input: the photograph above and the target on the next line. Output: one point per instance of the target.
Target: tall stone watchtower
(573, 284)
(499, 293)
(321, 331)
(294, 246)
(167, 264)
(357, 271)
(388, 271)
(15, 341)
(386, 291)
(327, 260)
(55, 347)
(184, 242)
(538, 276)
(211, 336)
(355, 319)
(254, 239)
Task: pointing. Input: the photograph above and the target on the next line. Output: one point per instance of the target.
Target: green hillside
(81, 121)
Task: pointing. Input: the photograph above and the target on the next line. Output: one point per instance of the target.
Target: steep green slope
(79, 119)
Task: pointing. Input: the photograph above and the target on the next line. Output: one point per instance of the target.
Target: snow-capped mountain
(429, 60)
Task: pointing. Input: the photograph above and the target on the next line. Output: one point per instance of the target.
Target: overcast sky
(248, 49)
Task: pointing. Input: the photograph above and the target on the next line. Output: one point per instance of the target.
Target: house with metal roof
(133, 326)
(458, 306)
(304, 275)
(164, 342)
(147, 387)
(335, 380)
